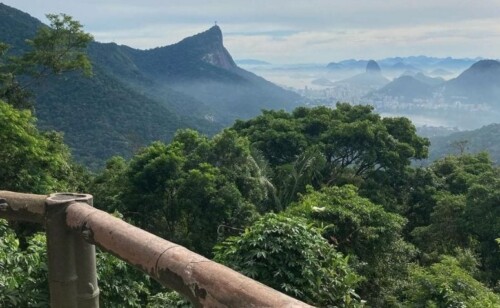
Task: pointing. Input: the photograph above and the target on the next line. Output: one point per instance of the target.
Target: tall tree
(369, 235)
(55, 49)
(32, 161)
(356, 144)
(193, 191)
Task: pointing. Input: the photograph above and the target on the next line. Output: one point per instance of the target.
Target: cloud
(294, 30)
(467, 39)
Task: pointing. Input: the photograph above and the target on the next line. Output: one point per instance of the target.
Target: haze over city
(283, 32)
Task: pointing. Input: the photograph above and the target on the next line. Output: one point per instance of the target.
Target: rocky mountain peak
(209, 47)
(373, 67)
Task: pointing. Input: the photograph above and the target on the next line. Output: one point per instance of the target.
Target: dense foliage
(484, 139)
(332, 245)
(323, 146)
(31, 161)
(289, 255)
(447, 284)
(371, 236)
(23, 278)
(192, 191)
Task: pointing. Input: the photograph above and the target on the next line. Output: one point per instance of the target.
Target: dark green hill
(16, 26)
(478, 84)
(138, 96)
(485, 139)
(100, 116)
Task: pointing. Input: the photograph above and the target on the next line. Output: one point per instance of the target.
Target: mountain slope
(431, 81)
(200, 67)
(138, 96)
(100, 116)
(16, 26)
(478, 84)
(406, 87)
(487, 139)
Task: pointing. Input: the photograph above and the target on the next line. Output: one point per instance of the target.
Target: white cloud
(294, 30)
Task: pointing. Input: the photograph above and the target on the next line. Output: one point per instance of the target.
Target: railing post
(60, 251)
(88, 291)
(81, 261)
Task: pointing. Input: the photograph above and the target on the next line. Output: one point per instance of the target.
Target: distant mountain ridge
(398, 65)
(138, 96)
(479, 84)
(470, 100)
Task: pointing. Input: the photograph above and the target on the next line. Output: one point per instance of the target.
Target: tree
(193, 191)
(107, 186)
(482, 219)
(463, 204)
(369, 235)
(355, 143)
(31, 161)
(446, 230)
(56, 49)
(23, 273)
(287, 254)
(447, 284)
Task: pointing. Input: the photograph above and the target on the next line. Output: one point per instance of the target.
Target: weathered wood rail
(73, 227)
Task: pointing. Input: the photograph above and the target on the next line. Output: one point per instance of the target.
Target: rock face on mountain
(200, 67)
(138, 96)
(202, 56)
(373, 67)
(372, 79)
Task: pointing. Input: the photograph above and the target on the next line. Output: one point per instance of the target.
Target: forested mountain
(485, 139)
(198, 67)
(136, 97)
(480, 84)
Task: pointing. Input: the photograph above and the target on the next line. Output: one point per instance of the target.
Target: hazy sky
(312, 31)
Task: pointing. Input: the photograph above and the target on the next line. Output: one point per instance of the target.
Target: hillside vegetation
(137, 96)
(485, 139)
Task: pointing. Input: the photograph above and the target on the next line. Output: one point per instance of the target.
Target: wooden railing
(73, 227)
